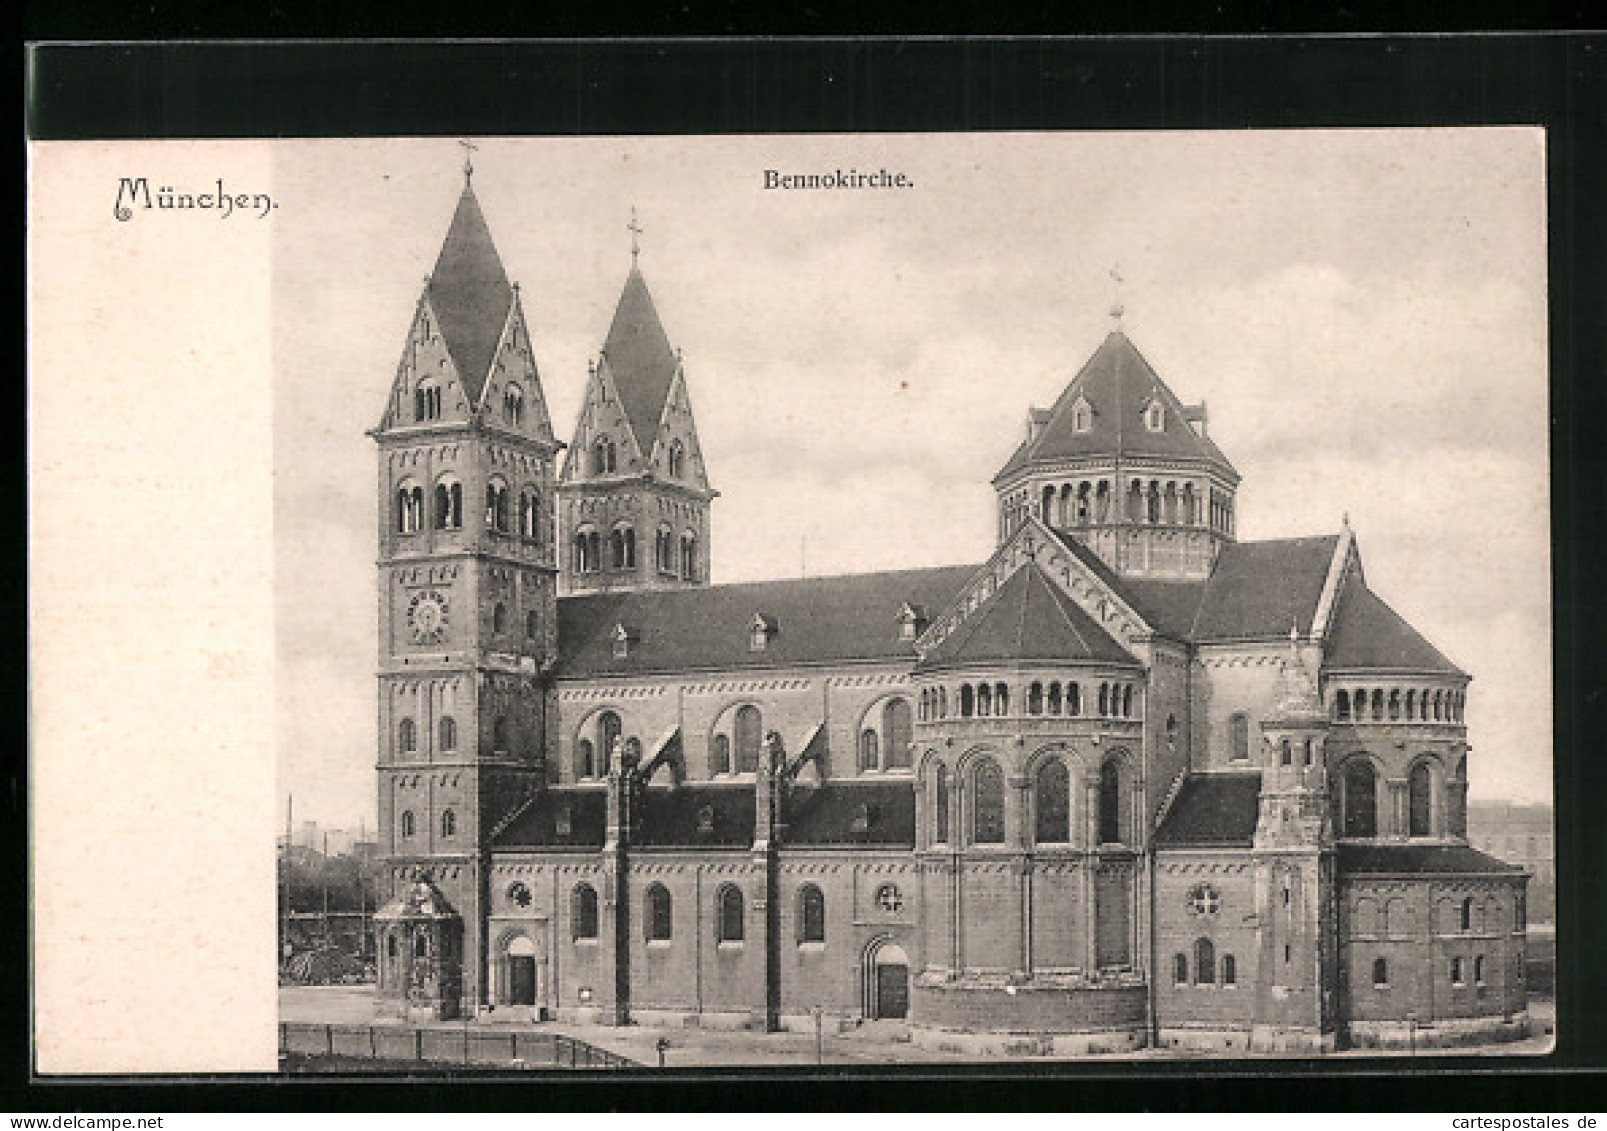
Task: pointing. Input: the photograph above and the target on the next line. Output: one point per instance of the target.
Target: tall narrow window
(449, 824)
(449, 733)
(609, 729)
(941, 805)
(1465, 916)
(1342, 706)
(1420, 787)
(1380, 973)
(720, 755)
(897, 734)
(1073, 698)
(513, 406)
(1361, 800)
(869, 751)
(1180, 969)
(1230, 970)
(660, 918)
(967, 701)
(448, 505)
(748, 735)
(1204, 963)
(407, 736)
(1110, 803)
(1052, 803)
(585, 759)
(811, 915)
(729, 917)
(407, 822)
(583, 912)
(987, 803)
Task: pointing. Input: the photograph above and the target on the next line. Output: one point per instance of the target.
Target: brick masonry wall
(1231, 931)
(1029, 1009)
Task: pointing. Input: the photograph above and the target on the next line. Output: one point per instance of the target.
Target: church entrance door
(892, 991)
(522, 980)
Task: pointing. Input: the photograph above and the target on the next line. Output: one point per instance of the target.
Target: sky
(1363, 312)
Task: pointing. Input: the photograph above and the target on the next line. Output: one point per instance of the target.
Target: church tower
(1296, 908)
(1124, 467)
(467, 585)
(634, 498)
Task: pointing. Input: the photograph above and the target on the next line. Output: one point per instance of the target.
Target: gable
(514, 365)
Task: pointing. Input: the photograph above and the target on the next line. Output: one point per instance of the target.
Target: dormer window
(1155, 415)
(623, 637)
(1082, 416)
(760, 630)
(912, 621)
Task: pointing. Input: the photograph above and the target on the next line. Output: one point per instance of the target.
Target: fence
(446, 1046)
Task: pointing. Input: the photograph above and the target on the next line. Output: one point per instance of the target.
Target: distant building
(1129, 781)
(1522, 835)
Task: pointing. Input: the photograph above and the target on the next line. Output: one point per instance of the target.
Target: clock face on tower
(426, 616)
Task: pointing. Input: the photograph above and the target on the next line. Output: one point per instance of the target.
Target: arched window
(729, 919)
(1361, 799)
(984, 700)
(499, 619)
(1073, 698)
(1180, 969)
(897, 734)
(513, 405)
(689, 557)
(1052, 803)
(604, 457)
(1104, 700)
(427, 401)
(499, 734)
(585, 758)
(811, 915)
(609, 729)
(1380, 973)
(1204, 963)
(496, 506)
(449, 823)
(869, 752)
(583, 912)
(406, 736)
(409, 508)
(940, 792)
(1342, 706)
(1420, 800)
(1230, 970)
(987, 803)
(660, 920)
(449, 733)
(1035, 698)
(1127, 701)
(967, 701)
(1458, 973)
(407, 822)
(1239, 737)
(1378, 705)
(529, 514)
(720, 755)
(1110, 802)
(448, 505)
(677, 460)
(748, 734)
(1285, 753)
(1001, 699)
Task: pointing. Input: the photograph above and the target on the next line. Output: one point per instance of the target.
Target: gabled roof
(1259, 589)
(1367, 633)
(1213, 811)
(817, 619)
(1416, 859)
(470, 293)
(639, 359)
(1027, 618)
(1118, 385)
(1166, 606)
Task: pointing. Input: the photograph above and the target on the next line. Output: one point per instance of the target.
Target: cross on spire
(468, 158)
(635, 229)
(1116, 308)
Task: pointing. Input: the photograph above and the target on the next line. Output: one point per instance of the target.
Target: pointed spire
(640, 360)
(470, 292)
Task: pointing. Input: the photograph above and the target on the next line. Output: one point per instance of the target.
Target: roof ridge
(1060, 607)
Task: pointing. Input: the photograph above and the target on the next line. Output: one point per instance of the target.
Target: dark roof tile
(470, 293)
(878, 813)
(818, 620)
(558, 819)
(1259, 589)
(1213, 811)
(1415, 859)
(1027, 618)
(1368, 634)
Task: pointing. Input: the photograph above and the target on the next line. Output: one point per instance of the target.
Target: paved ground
(870, 1044)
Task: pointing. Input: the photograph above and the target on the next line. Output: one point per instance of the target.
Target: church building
(1128, 782)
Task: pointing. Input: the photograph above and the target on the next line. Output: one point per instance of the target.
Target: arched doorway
(521, 985)
(887, 981)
